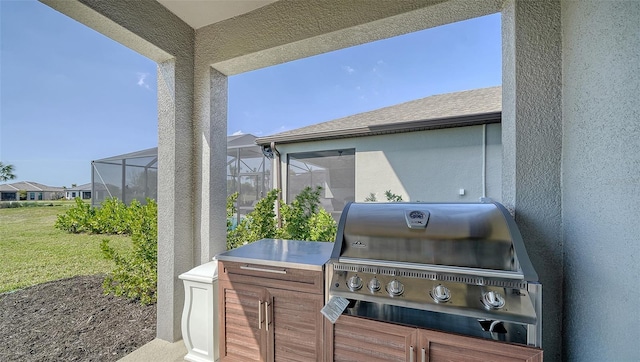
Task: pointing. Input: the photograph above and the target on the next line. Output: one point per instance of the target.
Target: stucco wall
(532, 146)
(291, 29)
(601, 179)
(420, 166)
(428, 166)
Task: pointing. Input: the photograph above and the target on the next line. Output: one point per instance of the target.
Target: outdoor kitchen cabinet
(270, 313)
(357, 339)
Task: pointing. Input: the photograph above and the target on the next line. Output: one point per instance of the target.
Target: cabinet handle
(259, 314)
(424, 355)
(266, 315)
(411, 353)
(253, 268)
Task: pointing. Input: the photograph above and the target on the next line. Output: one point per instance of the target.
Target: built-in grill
(459, 267)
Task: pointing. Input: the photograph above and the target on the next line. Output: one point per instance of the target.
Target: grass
(32, 251)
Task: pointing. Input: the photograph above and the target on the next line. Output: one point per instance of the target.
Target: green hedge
(18, 204)
(135, 274)
(304, 219)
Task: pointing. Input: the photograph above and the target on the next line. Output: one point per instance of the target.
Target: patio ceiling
(199, 13)
(237, 36)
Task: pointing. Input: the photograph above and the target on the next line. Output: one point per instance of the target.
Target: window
(333, 170)
(32, 195)
(8, 196)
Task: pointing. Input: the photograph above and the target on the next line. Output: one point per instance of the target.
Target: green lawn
(32, 251)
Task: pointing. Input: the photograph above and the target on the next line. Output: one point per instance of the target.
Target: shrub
(322, 226)
(18, 204)
(77, 219)
(296, 217)
(391, 197)
(135, 275)
(304, 219)
(258, 224)
(114, 217)
(231, 210)
(371, 198)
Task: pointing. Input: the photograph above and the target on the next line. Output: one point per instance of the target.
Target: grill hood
(471, 238)
(455, 267)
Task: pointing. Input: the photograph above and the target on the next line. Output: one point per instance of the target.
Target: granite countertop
(310, 255)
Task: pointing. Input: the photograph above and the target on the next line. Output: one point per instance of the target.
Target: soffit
(199, 13)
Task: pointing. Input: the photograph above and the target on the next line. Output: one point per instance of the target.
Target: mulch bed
(72, 320)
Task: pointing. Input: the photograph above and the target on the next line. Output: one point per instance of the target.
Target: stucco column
(210, 127)
(175, 191)
(532, 145)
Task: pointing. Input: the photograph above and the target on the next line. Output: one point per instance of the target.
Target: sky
(69, 95)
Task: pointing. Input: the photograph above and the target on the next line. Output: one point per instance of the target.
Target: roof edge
(409, 126)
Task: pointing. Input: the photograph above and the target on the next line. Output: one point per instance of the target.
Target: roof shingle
(475, 106)
(29, 186)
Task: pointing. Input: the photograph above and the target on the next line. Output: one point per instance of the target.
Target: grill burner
(461, 268)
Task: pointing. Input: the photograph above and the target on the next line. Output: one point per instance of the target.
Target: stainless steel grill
(461, 268)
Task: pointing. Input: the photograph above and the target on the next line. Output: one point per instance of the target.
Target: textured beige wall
(159, 38)
(210, 142)
(601, 179)
(290, 29)
(420, 166)
(532, 144)
(426, 166)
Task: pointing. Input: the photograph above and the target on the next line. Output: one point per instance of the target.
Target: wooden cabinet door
(358, 339)
(295, 326)
(242, 322)
(441, 346)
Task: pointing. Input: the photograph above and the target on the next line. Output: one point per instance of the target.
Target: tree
(6, 172)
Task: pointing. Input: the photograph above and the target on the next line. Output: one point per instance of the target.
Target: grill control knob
(440, 294)
(493, 300)
(395, 288)
(354, 283)
(374, 285)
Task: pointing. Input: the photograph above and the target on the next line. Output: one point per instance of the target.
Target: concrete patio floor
(158, 351)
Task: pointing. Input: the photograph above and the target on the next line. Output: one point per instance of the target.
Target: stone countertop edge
(308, 255)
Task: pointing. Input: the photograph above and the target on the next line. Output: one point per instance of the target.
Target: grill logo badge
(358, 244)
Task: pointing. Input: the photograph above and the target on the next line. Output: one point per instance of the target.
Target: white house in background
(31, 191)
(82, 191)
(440, 148)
